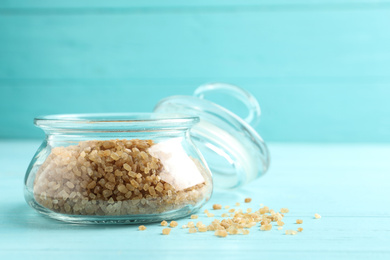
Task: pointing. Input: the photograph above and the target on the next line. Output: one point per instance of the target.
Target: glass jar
(117, 168)
(129, 168)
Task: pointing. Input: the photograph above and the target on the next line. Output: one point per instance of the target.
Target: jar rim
(116, 121)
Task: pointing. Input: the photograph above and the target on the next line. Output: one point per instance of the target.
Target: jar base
(114, 219)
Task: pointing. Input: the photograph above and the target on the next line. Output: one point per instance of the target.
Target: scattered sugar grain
(199, 224)
(266, 227)
(240, 222)
(173, 224)
(232, 230)
(164, 223)
(291, 232)
(166, 231)
(202, 229)
(142, 228)
(192, 230)
(190, 224)
(221, 233)
(217, 206)
(284, 210)
(247, 200)
(317, 216)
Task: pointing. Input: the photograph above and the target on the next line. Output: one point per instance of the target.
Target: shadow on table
(24, 217)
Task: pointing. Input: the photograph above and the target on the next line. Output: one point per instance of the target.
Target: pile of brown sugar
(114, 177)
(238, 222)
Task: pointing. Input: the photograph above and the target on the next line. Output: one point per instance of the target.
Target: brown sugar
(247, 200)
(266, 227)
(284, 210)
(291, 232)
(192, 230)
(190, 224)
(173, 224)
(199, 224)
(166, 231)
(194, 216)
(232, 230)
(202, 228)
(142, 228)
(240, 222)
(113, 177)
(217, 206)
(164, 223)
(221, 233)
(317, 216)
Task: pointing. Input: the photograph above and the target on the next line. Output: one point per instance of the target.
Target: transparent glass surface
(117, 168)
(234, 151)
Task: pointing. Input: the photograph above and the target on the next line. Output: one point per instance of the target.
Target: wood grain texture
(302, 110)
(319, 68)
(89, 4)
(346, 184)
(324, 43)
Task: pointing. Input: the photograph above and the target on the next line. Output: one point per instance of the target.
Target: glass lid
(233, 150)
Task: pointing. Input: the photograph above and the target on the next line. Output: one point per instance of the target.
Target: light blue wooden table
(347, 184)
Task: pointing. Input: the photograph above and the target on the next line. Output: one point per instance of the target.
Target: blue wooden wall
(320, 69)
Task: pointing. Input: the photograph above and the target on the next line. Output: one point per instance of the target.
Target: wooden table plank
(346, 184)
